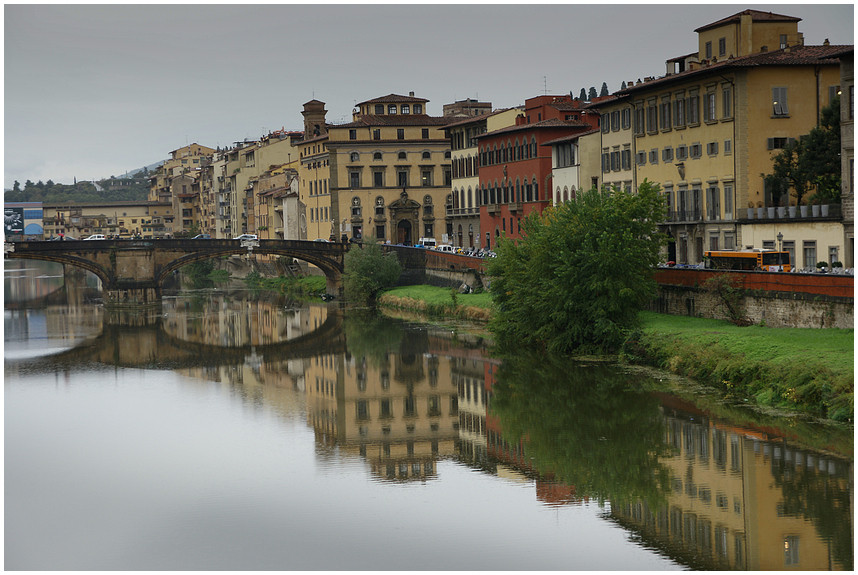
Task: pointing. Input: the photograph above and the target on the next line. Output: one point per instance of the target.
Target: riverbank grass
(435, 300)
(808, 370)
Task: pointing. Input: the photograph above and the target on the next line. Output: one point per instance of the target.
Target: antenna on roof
(545, 85)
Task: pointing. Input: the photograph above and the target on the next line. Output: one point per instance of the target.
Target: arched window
(406, 109)
(401, 155)
(391, 109)
(462, 198)
(533, 153)
(535, 189)
(376, 156)
(426, 155)
(470, 199)
(455, 198)
(517, 190)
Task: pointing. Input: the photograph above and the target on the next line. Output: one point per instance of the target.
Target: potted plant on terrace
(803, 208)
(760, 210)
(750, 210)
(793, 209)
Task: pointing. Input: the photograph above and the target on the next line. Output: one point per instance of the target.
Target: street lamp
(780, 241)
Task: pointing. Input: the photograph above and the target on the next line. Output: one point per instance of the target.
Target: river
(233, 430)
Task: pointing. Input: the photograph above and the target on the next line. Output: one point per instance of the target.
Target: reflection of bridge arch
(151, 347)
(132, 272)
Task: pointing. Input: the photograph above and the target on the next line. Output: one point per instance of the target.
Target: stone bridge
(133, 271)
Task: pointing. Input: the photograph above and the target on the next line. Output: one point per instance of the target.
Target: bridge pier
(131, 298)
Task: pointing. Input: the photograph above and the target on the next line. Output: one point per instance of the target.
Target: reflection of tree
(582, 424)
(371, 335)
(824, 500)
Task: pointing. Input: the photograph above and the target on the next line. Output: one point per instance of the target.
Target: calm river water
(239, 431)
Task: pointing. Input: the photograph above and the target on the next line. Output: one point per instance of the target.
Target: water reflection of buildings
(726, 508)
(397, 410)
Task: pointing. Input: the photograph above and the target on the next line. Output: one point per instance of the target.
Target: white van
(426, 243)
(446, 248)
(96, 237)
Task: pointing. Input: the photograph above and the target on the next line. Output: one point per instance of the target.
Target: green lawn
(438, 296)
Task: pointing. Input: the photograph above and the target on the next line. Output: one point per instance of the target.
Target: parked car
(322, 240)
(96, 237)
(202, 237)
(426, 243)
(446, 249)
(62, 237)
(246, 237)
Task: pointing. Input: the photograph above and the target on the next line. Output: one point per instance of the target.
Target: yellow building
(707, 131)
(188, 158)
(314, 174)
(390, 172)
(121, 219)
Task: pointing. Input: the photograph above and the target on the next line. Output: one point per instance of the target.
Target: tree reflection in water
(586, 425)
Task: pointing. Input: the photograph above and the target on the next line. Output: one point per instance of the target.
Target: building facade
(390, 172)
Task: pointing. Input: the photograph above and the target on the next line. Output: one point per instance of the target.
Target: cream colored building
(707, 131)
(390, 173)
(575, 165)
(121, 219)
(314, 174)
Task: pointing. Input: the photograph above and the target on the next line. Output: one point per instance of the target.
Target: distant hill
(131, 188)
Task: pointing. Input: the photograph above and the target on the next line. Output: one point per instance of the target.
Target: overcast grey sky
(98, 90)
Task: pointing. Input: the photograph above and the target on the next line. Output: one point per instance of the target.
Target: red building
(515, 167)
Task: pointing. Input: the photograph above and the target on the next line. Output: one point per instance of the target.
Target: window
(832, 255)
(679, 111)
(640, 158)
(791, 550)
(727, 102)
(391, 109)
(708, 50)
(386, 411)
(352, 134)
(626, 159)
(695, 150)
(615, 121)
(653, 156)
(778, 143)
(400, 134)
(722, 46)
(376, 134)
(615, 160)
(378, 179)
(665, 114)
(783, 41)
(809, 248)
(627, 118)
(606, 124)
(362, 409)
(606, 161)
(681, 153)
(402, 178)
(789, 247)
(354, 179)
(356, 211)
(426, 156)
(418, 108)
(693, 116)
(401, 155)
(709, 107)
(729, 240)
(425, 133)
(667, 155)
(376, 156)
(379, 109)
(712, 148)
(426, 177)
(640, 118)
(406, 109)
(728, 147)
(728, 208)
(713, 205)
(651, 117)
(779, 102)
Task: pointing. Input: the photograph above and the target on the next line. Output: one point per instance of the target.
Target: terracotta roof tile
(792, 56)
(393, 98)
(756, 16)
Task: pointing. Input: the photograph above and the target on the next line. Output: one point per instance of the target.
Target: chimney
(411, 94)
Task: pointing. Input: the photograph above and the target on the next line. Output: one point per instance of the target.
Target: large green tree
(368, 270)
(812, 162)
(581, 273)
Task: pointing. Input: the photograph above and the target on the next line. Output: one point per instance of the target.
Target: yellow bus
(765, 260)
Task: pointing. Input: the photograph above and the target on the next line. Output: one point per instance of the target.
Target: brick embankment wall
(777, 300)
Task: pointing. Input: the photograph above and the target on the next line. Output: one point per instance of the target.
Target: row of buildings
(706, 132)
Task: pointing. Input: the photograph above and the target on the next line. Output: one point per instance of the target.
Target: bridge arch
(132, 272)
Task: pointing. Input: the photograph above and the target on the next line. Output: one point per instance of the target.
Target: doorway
(403, 233)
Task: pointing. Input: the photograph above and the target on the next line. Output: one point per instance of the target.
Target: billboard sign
(14, 221)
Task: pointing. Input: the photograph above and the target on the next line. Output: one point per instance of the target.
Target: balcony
(684, 216)
(515, 207)
(493, 208)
